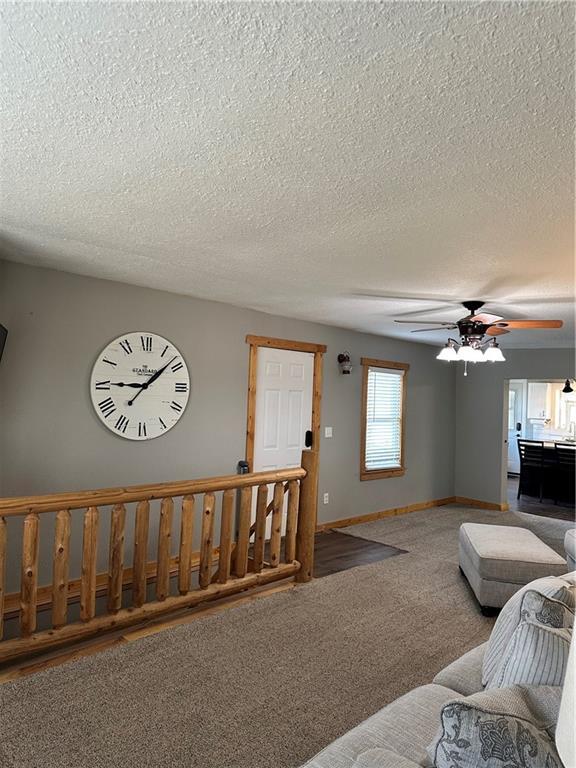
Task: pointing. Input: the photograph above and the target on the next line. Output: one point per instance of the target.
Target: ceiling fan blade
(531, 323)
(486, 318)
(428, 330)
(427, 322)
(404, 297)
(495, 331)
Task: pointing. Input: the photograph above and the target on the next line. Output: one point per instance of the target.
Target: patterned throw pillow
(471, 737)
(544, 610)
(536, 655)
(559, 588)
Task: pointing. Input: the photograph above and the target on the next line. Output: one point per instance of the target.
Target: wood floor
(336, 552)
(533, 506)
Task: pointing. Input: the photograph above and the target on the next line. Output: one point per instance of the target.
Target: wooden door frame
(295, 346)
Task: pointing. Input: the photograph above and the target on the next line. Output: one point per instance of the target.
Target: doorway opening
(540, 415)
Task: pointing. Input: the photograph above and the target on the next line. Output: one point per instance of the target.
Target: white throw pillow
(536, 655)
(559, 588)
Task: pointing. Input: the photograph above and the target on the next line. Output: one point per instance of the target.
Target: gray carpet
(264, 684)
(435, 529)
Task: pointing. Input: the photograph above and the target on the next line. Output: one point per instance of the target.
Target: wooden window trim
(378, 474)
(295, 346)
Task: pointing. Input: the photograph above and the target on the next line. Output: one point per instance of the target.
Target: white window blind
(383, 449)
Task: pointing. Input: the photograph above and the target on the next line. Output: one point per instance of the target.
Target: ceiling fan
(473, 347)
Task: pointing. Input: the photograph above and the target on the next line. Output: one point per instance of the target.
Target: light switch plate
(326, 498)
(327, 431)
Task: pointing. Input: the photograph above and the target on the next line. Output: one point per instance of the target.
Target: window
(383, 397)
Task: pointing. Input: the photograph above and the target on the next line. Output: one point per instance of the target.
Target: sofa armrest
(465, 674)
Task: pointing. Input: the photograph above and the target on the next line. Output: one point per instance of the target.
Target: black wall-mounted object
(3, 334)
(308, 438)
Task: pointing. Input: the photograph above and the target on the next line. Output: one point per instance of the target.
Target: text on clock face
(140, 386)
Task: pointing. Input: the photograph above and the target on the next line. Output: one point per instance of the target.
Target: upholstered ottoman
(570, 548)
(498, 559)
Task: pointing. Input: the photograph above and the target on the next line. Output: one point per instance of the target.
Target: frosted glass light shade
(447, 353)
(494, 355)
(477, 355)
(466, 353)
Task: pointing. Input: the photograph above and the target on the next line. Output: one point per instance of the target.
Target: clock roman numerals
(126, 346)
(107, 407)
(146, 342)
(181, 386)
(177, 366)
(162, 424)
(164, 350)
(110, 362)
(176, 406)
(121, 424)
(102, 385)
(142, 429)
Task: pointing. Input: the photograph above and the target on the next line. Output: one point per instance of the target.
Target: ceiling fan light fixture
(493, 353)
(448, 352)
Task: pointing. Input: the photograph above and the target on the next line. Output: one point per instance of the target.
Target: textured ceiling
(291, 157)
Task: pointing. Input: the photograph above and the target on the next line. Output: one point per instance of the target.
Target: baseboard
(372, 516)
(480, 504)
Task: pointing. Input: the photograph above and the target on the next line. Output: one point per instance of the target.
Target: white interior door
(284, 383)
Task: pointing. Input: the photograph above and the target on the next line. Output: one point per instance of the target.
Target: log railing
(227, 561)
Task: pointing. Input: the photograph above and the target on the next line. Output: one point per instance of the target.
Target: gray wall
(479, 443)
(51, 440)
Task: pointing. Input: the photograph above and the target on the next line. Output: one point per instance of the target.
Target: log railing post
(260, 537)
(276, 532)
(29, 585)
(226, 526)
(307, 516)
(243, 542)
(60, 569)
(116, 558)
(141, 529)
(164, 544)
(206, 537)
(89, 552)
(291, 521)
(186, 538)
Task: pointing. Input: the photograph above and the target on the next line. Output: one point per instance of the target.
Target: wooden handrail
(24, 505)
(239, 567)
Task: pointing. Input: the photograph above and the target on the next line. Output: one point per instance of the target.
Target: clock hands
(151, 380)
(122, 384)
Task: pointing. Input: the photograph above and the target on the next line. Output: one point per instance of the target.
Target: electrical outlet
(327, 431)
(326, 498)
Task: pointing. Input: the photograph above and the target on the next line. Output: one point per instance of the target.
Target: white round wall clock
(140, 385)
